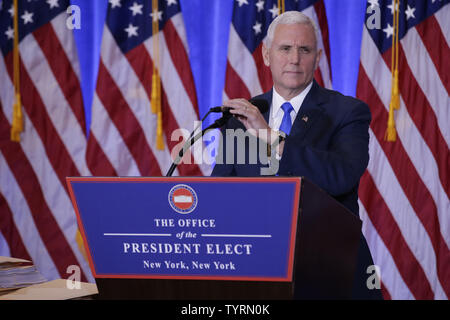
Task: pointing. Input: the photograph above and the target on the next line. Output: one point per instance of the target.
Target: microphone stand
(217, 124)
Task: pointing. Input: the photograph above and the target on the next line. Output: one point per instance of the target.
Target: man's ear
(265, 54)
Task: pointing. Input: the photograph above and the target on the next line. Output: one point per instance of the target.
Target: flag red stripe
(318, 77)
(321, 14)
(142, 64)
(385, 292)
(62, 70)
(264, 74)
(55, 149)
(49, 231)
(424, 118)
(126, 123)
(234, 86)
(417, 193)
(98, 162)
(9, 231)
(381, 218)
(436, 44)
(180, 61)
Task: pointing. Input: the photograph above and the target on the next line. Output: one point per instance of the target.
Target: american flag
(404, 194)
(123, 129)
(37, 220)
(246, 74)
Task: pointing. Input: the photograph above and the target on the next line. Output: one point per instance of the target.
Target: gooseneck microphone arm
(217, 124)
(261, 104)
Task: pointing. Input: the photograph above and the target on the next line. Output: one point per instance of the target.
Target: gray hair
(289, 17)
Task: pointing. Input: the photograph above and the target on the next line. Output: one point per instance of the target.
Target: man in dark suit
(313, 132)
(328, 144)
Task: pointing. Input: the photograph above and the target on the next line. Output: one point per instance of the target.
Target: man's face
(293, 57)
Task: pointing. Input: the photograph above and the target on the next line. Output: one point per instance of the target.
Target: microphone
(261, 104)
(219, 109)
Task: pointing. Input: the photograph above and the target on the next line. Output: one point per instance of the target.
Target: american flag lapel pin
(305, 118)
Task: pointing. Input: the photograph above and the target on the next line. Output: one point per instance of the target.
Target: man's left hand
(250, 116)
(253, 120)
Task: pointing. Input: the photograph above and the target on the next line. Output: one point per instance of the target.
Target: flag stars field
(136, 8)
(53, 3)
(27, 17)
(132, 30)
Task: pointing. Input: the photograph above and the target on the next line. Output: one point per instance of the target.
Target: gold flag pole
(17, 119)
(156, 80)
(391, 133)
(281, 8)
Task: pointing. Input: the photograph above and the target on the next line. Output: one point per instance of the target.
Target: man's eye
(305, 50)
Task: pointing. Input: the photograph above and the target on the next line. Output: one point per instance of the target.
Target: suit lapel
(310, 111)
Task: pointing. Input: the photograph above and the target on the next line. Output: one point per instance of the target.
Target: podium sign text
(188, 228)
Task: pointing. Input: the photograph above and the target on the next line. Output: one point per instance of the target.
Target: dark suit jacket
(328, 144)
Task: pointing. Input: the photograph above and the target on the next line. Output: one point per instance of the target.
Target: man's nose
(294, 57)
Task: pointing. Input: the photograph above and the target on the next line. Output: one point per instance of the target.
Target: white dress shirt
(276, 113)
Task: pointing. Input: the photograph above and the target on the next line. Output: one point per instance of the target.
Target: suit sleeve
(337, 165)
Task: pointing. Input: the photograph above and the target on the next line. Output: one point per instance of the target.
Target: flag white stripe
(408, 134)
(134, 94)
(444, 22)
(426, 75)
(111, 142)
(243, 63)
(4, 248)
(55, 102)
(24, 222)
(411, 228)
(67, 41)
(390, 276)
(6, 91)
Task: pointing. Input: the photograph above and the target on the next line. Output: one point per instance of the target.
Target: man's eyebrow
(305, 46)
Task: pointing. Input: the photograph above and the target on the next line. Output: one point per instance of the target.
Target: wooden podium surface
(52, 290)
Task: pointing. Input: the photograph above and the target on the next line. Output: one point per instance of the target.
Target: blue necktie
(286, 122)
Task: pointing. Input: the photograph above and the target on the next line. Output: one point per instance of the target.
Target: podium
(321, 264)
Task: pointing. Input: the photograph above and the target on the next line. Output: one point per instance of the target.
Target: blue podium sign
(188, 228)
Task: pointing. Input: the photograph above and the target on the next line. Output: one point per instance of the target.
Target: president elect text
(187, 248)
